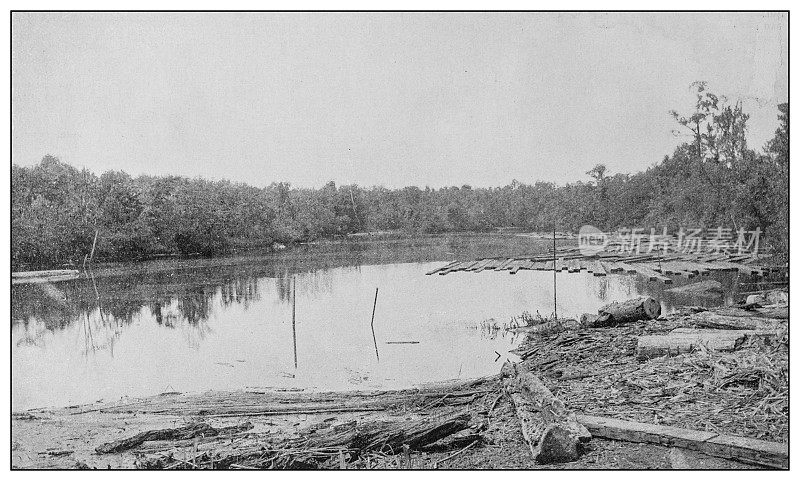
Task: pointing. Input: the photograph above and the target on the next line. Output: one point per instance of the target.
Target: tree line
(712, 179)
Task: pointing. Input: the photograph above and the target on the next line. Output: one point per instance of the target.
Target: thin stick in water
(294, 310)
(555, 311)
(372, 325)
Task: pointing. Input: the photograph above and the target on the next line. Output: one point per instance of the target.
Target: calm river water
(195, 325)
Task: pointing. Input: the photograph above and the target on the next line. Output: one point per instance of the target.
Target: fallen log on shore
(550, 429)
(638, 309)
(747, 450)
(388, 436)
(171, 434)
(682, 340)
(318, 449)
(712, 320)
(774, 312)
(548, 327)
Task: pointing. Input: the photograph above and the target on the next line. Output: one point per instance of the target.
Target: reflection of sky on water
(228, 328)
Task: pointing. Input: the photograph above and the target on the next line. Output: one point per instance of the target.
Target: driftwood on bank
(748, 450)
(684, 340)
(548, 327)
(550, 429)
(712, 320)
(387, 436)
(772, 312)
(322, 448)
(640, 308)
(171, 434)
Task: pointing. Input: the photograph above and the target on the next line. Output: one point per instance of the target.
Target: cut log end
(559, 444)
(652, 308)
(641, 308)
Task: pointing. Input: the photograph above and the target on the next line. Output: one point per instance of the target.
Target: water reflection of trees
(103, 306)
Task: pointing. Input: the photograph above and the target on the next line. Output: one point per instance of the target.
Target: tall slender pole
(555, 312)
(372, 325)
(294, 310)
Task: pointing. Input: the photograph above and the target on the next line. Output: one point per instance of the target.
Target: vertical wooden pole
(294, 311)
(555, 312)
(372, 325)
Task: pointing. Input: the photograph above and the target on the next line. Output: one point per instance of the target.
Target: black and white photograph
(398, 240)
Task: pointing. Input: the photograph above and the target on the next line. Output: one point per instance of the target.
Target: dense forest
(713, 179)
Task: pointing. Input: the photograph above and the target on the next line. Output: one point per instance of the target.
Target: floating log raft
(653, 266)
(709, 288)
(551, 430)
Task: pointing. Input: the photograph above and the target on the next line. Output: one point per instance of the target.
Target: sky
(391, 99)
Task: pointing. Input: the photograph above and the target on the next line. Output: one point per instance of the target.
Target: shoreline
(595, 372)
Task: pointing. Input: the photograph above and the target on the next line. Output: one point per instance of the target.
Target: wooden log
(478, 265)
(650, 274)
(504, 265)
(443, 268)
(315, 449)
(626, 267)
(749, 270)
(588, 320)
(683, 340)
(455, 267)
(598, 270)
(467, 265)
(44, 280)
(487, 264)
(388, 436)
(573, 265)
(550, 429)
(548, 327)
(692, 267)
(776, 312)
(712, 320)
(708, 287)
(677, 269)
(51, 273)
(747, 450)
(612, 267)
(637, 309)
(188, 431)
(638, 258)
